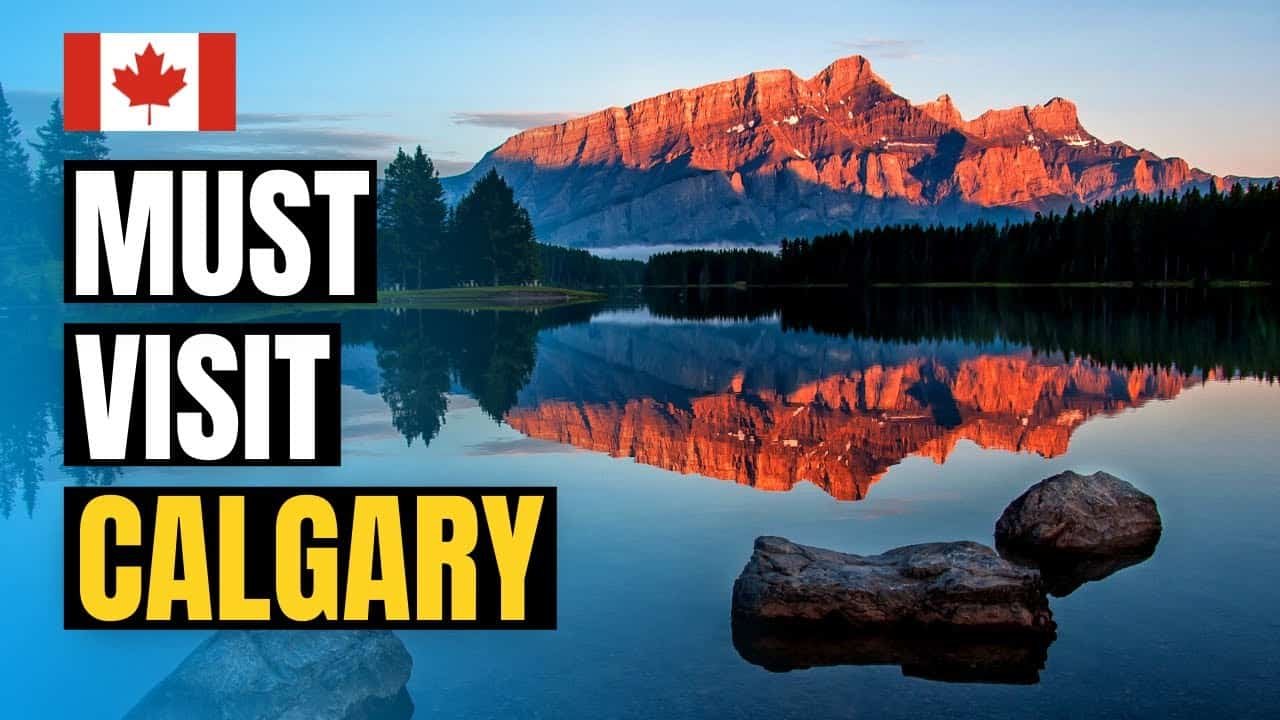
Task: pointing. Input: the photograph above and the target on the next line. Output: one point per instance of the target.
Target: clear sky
(1193, 79)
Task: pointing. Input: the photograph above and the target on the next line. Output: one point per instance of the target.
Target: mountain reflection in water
(762, 388)
(766, 409)
(768, 390)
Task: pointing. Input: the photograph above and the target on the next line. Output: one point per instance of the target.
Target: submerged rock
(957, 586)
(1072, 515)
(943, 656)
(329, 675)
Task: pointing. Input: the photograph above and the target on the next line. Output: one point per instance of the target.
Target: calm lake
(678, 427)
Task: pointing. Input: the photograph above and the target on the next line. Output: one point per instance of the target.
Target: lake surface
(679, 427)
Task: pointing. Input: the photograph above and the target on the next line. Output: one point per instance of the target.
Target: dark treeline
(1237, 331)
(573, 268)
(1190, 238)
(713, 267)
(486, 239)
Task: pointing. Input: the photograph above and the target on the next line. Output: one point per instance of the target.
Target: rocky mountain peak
(847, 76)
(943, 110)
(1057, 118)
(772, 154)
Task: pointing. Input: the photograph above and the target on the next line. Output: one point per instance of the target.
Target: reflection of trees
(496, 358)
(33, 396)
(22, 449)
(422, 353)
(415, 377)
(31, 409)
(1237, 330)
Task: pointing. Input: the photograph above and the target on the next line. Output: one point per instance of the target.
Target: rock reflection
(1063, 575)
(946, 657)
(329, 675)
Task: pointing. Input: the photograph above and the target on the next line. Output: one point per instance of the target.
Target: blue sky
(356, 79)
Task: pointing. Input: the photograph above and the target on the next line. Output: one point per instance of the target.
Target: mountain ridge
(771, 154)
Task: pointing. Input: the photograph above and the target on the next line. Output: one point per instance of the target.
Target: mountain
(771, 154)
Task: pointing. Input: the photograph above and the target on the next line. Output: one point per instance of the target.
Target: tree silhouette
(495, 358)
(415, 375)
(411, 223)
(24, 256)
(1197, 237)
(492, 236)
(15, 171)
(55, 146)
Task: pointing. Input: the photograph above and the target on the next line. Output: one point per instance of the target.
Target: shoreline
(502, 297)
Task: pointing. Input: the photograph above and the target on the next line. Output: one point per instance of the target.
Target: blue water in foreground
(648, 556)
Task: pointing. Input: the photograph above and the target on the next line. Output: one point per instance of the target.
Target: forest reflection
(758, 387)
(770, 389)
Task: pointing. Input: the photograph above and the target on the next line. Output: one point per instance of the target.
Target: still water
(679, 428)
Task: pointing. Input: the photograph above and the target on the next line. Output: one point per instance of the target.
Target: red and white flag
(149, 81)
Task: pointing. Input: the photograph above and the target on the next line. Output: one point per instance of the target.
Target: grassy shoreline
(483, 298)
(502, 298)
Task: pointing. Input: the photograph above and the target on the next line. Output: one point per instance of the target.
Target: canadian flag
(156, 81)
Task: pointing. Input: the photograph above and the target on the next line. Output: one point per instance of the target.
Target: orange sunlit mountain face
(844, 430)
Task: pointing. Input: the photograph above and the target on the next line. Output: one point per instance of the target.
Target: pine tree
(24, 267)
(54, 146)
(493, 236)
(15, 171)
(391, 253)
(412, 216)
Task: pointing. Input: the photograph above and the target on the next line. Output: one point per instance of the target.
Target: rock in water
(295, 675)
(1079, 515)
(959, 586)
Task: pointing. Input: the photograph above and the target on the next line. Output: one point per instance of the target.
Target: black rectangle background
(261, 505)
(328, 419)
(313, 221)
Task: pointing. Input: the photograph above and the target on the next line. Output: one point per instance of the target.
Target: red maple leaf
(149, 86)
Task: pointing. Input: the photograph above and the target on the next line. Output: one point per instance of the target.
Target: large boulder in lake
(951, 586)
(293, 675)
(1080, 515)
